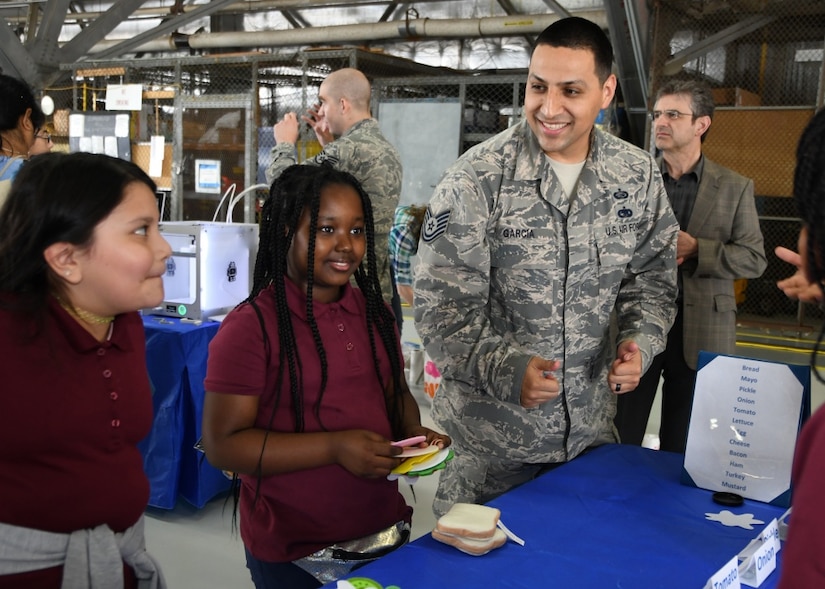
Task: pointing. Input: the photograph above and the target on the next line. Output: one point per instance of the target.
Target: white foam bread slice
(470, 528)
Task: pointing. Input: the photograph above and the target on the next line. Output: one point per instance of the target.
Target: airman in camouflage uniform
(517, 282)
(360, 149)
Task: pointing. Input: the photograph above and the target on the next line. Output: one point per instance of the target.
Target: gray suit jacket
(725, 221)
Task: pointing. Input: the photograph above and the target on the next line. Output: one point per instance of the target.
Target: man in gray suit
(719, 241)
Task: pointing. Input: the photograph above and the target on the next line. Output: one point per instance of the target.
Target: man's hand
(687, 246)
(626, 370)
(405, 291)
(797, 286)
(539, 384)
(319, 124)
(286, 131)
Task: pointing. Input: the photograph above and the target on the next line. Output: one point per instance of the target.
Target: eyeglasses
(672, 115)
(44, 136)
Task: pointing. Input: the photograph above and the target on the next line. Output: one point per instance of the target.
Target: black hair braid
(314, 205)
(267, 264)
(381, 318)
(292, 195)
(261, 276)
(809, 194)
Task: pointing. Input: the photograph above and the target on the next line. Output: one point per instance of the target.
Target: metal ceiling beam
(674, 65)
(559, 9)
(165, 27)
(15, 59)
(97, 31)
(295, 19)
(31, 26)
(45, 46)
(391, 9)
(628, 24)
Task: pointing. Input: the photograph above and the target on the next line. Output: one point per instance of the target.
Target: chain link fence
(211, 118)
(203, 128)
(766, 71)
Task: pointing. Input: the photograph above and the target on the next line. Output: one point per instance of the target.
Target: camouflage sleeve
(283, 156)
(646, 302)
(452, 291)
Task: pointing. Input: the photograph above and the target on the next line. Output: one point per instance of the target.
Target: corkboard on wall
(759, 144)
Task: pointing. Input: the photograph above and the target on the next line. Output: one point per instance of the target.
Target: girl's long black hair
(809, 194)
(296, 190)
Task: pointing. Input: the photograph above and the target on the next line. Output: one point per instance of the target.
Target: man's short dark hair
(700, 94)
(579, 33)
(701, 97)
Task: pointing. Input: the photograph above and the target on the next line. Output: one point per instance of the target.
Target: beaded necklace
(85, 315)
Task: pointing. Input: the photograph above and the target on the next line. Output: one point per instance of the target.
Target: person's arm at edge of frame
(453, 327)
(646, 303)
(797, 285)
(403, 246)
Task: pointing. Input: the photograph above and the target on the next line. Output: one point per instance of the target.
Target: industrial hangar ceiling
(43, 34)
(40, 35)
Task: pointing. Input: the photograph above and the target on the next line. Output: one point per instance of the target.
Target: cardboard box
(735, 97)
(193, 129)
(140, 155)
(759, 144)
(230, 136)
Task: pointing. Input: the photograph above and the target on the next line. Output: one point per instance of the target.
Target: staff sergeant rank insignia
(434, 225)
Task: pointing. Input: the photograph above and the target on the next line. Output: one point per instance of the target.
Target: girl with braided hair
(305, 389)
(803, 557)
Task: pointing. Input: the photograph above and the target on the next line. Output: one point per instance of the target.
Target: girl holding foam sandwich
(305, 390)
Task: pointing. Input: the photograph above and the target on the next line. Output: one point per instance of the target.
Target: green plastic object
(429, 471)
(364, 583)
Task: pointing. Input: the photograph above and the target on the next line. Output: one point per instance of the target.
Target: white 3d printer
(210, 270)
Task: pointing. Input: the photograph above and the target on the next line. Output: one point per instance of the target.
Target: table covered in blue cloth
(176, 359)
(617, 517)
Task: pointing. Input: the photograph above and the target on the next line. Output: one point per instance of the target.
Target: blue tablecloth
(176, 358)
(617, 517)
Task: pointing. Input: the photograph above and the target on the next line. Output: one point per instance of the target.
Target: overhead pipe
(408, 30)
(245, 7)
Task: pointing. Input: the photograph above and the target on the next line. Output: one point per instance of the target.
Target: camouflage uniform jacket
(505, 274)
(364, 152)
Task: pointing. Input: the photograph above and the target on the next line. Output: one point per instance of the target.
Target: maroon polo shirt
(73, 411)
(300, 512)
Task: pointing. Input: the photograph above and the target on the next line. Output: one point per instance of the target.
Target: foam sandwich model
(473, 529)
(419, 461)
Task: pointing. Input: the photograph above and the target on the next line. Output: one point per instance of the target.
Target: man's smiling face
(563, 99)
